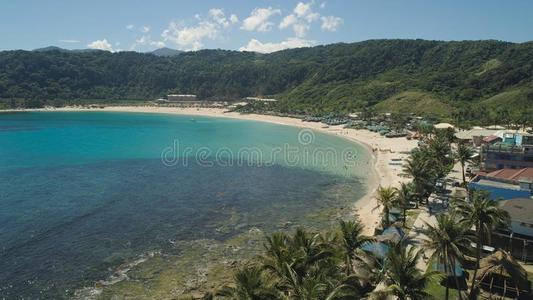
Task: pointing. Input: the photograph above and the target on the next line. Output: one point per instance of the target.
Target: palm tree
(386, 198)
(464, 155)
(404, 196)
(302, 265)
(440, 154)
(402, 278)
(249, 284)
(421, 167)
(352, 239)
(447, 239)
(317, 285)
(485, 215)
(276, 254)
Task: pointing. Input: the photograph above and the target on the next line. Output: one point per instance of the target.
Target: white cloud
(300, 29)
(142, 40)
(69, 41)
(302, 9)
(288, 21)
(190, 37)
(234, 19)
(130, 26)
(331, 23)
(257, 46)
(146, 40)
(145, 29)
(219, 17)
(158, 44)
(300, 20)
(259, 19)
(101, 45)
(323, 5)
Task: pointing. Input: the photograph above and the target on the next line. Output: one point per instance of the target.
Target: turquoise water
(83, 192)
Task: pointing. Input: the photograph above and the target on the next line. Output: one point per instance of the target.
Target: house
(515, 151)
(520, 211)
(181, 97)
(516, 176)
(490, 140)
(475, 135)
(505, 183)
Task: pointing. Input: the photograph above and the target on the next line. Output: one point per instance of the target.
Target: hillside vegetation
(427, 76)
(421, 103)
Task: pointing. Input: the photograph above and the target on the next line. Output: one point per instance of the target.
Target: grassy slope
(517, 97)
(421, 103)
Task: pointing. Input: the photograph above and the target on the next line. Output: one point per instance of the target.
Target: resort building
(475, 136)
(249, 99)
(180, 97)
(491, 139)
(521, 212)
(518, 239)
(515, 151)
(505, 183)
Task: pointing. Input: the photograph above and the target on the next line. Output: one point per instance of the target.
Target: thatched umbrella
(501, 272)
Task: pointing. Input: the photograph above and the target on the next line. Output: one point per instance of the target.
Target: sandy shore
(383, 149)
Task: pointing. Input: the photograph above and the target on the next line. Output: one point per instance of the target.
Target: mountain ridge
(327, 78)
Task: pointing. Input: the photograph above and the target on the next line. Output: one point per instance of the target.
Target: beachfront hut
(501, 273)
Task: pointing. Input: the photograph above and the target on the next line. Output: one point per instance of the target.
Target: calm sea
(84, 192)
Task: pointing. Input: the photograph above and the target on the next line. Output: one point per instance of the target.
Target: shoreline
(380, 148)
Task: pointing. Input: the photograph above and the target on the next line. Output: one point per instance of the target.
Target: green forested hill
(338, 77)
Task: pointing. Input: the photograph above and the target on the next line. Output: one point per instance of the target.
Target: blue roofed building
(505, 183)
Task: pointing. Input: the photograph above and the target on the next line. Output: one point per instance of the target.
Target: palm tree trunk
(463, 171)
(348, 265)
(447, 294)
(404, 215)
(478, 258)
(456, 280)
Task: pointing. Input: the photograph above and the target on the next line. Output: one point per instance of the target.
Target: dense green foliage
(337, 77)
(329, 265)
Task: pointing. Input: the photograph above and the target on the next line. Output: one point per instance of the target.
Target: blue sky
(263, 26)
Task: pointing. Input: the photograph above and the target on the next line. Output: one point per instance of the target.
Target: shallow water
(82, 193)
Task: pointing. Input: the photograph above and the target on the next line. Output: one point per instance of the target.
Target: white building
(180, 97)
(260, 99)
(521, 212)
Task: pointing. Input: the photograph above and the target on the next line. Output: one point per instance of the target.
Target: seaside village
(454, 174)
(481, 174)
(462, 196)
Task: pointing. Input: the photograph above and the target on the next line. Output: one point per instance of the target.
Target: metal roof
(520, 209)
(525, 174)
(469, 134)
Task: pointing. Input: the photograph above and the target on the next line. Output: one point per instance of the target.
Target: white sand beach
(383, 149)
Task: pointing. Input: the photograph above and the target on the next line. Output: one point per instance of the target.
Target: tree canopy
(331, 78)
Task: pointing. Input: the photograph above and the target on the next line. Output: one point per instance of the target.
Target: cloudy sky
(262, 26)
